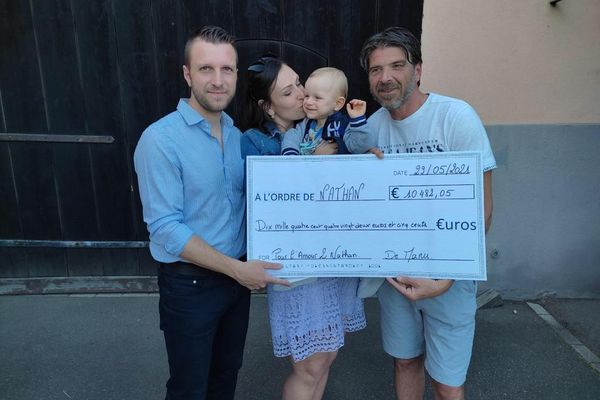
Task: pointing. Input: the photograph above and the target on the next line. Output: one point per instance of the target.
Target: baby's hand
(356, 108)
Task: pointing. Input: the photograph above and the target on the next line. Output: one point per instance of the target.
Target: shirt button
(194, 282)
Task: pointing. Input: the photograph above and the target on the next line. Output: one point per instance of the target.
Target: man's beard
(207, 104)
(394, 104)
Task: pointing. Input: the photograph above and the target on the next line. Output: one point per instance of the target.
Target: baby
(326, 91)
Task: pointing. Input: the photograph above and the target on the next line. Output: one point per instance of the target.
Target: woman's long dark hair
(260, 81)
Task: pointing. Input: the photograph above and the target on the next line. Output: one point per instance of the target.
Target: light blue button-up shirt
(189, 186)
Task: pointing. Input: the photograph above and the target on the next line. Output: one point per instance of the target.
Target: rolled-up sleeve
(161, 192)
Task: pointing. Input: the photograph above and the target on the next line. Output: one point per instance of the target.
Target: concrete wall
(532, 71)
(546, 220)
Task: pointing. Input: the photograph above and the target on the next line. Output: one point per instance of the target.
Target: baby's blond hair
(336, 76)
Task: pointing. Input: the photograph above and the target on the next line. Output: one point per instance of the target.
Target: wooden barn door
(79, 82)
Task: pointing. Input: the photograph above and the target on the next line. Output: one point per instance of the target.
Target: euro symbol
(395, 193)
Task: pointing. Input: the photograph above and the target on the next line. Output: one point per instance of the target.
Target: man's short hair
(211, 34)
(336, 76)
(394, 36)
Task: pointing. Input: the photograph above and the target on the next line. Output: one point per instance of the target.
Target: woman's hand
(326, 148)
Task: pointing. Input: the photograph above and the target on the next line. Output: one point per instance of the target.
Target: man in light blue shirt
(191, 181)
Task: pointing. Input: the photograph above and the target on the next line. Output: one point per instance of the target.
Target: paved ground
(584, 325)
(110, 348)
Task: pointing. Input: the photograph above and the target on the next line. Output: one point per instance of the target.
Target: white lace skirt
(313, 317)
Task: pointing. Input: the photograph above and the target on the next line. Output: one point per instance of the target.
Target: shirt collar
(193, 117)
(271, 128)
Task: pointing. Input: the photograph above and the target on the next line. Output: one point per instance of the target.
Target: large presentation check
(355, 215)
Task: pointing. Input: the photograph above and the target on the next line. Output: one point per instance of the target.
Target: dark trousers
(204, 320)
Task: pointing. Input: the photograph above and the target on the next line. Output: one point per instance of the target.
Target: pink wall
(516, 61)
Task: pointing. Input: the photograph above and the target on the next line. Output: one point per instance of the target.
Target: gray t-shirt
(441, 124)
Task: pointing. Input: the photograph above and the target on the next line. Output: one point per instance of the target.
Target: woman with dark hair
(309, 320)
(272, 105)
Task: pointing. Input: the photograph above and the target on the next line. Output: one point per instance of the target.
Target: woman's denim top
(255, 142)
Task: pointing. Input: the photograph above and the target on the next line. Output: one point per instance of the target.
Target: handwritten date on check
(417, 215)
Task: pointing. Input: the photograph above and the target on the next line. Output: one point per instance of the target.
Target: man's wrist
(234, 269)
